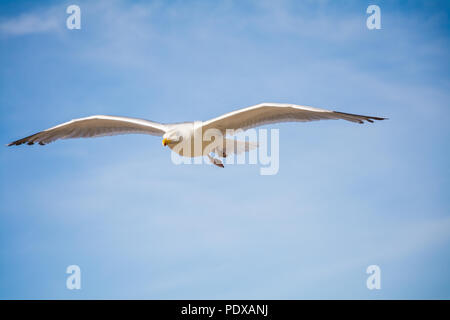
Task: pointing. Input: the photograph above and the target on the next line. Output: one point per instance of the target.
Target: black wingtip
(362, 118)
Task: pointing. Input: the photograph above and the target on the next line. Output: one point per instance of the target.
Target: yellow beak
(165, 142)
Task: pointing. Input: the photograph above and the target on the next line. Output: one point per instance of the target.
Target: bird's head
(171, 138)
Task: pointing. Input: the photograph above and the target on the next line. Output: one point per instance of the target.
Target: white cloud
(31, 23)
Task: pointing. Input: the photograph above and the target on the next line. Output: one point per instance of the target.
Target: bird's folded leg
(220, 152)
(216, 161)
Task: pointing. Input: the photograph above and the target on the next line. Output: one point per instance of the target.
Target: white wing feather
(266, 113)
(94, 126)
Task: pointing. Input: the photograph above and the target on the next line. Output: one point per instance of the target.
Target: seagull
(174, 133)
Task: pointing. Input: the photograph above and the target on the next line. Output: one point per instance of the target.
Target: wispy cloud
(32, 23)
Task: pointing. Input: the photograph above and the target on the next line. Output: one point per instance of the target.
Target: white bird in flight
(174, 133)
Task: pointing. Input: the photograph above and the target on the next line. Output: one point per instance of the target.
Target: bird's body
(180, 135)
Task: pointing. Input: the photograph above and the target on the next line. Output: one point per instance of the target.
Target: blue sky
(346, 196)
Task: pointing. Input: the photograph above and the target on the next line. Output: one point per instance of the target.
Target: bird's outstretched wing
(266, 113)
(94, 126)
